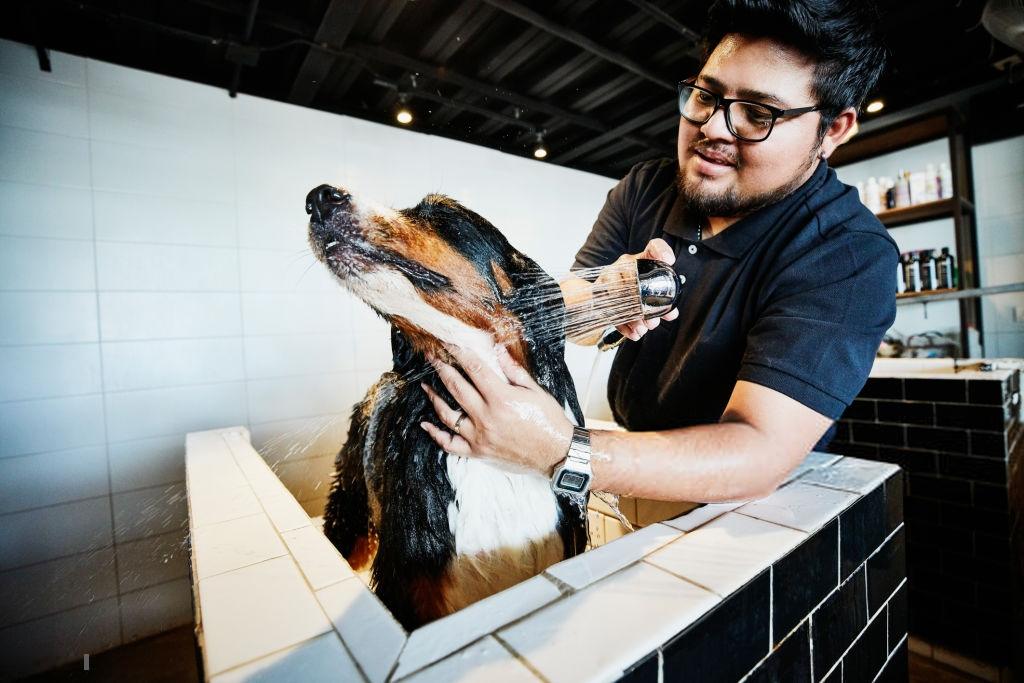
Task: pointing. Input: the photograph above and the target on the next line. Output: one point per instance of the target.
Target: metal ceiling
(595, 78)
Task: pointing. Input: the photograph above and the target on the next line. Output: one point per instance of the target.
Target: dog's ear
(401, 350)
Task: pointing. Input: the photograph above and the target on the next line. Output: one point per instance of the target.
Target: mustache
(716, 149)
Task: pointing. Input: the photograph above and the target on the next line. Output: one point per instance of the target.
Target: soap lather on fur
(440, 531)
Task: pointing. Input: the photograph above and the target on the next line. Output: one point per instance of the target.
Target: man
(789, 288)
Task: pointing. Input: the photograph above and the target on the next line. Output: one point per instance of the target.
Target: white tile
(284, 511)
(282, 270)
(233, 544)
(47, 317)
(701, 516)
(146, 462)
(174, 362)
(168, 220)
(306, 478)
(651, 511)
(800, 506)
(615, 621)
(151, 87)
(43, 158)
(20, 59)
(851, 474)
(49, 371)
(42, 105)
(482, 662)
(168, 172)
(152, 560)
(266, 225)
(30, 211)
(319, 560)
(280, 356)
(598, 563)
(372, 635)
(318, 660)
(254, 611)
(57, 585)
(41, 644)
(56, 531)
(168, 315)
(28, 263)
(439, 638)
(813, 460)
(123, 266)
(294, 313)
(300, 396)
(50, 424)
(157, 412)
(149, 512)
(30, 481)
(726, 553)
(299, 438)
(373, 351)
(231, 503)
(131, 120)
(156, 609)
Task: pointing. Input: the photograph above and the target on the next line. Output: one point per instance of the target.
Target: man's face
(722, 176)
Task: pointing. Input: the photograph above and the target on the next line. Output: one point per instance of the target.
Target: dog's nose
(322, 201)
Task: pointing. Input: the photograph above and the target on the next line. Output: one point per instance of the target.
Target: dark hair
(842, 36)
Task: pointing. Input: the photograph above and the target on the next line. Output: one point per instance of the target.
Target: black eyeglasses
(748, 121)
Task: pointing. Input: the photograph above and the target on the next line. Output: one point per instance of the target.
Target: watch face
(573, 481)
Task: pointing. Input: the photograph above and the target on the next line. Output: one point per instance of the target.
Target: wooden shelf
(941, 208)
(953, 294)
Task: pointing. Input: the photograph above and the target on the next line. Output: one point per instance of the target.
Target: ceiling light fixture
(875, 106)
(539, 150)
(403, 115)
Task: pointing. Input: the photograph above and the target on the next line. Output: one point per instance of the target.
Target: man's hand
(659, 250)
(516, 421)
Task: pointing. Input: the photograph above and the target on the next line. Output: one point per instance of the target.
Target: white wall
(999, 197)
(154, 280)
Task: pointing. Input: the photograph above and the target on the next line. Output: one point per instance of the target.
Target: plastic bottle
(871, 195)
(946, 269)
(909, 261)
(917, 188)
(926, 269)
(945, 181)
(902, 189)
(890, 193)
(931, 184)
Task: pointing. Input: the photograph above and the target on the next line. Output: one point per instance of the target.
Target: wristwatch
(572, 476)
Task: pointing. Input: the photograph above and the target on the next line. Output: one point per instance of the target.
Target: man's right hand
(658, 250)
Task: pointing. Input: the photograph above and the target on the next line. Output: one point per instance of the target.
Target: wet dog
(440, 531)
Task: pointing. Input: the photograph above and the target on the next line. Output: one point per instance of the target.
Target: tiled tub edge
(720, 592)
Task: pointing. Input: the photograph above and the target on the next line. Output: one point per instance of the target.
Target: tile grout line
(518, 657)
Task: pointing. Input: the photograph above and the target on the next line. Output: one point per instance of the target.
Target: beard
(730, 203)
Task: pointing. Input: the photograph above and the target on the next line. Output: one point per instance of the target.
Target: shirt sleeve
(609, 237)
(822, 322)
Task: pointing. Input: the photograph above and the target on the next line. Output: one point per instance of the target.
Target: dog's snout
(322, 201)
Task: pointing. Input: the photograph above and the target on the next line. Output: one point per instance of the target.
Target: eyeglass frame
(725, 102)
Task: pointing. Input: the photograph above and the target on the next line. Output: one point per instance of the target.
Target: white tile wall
(155, 279)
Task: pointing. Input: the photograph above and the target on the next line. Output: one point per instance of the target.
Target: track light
(539, 150)
(875, 106)
(403, 115)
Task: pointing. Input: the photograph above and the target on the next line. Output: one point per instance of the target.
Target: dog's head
(438, 272)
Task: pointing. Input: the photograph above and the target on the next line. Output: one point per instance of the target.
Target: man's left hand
(511, 418)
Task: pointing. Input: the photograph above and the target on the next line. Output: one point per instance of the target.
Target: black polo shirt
(795, 297)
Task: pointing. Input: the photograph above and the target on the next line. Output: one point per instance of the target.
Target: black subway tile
(977, 569)
(791, 661)
(920, 510)
(861, 530)
(989, 418)
(861, 409)
(738, 625)
(937, 439)
(883, 387)
(869, 432)
(945, 390)
(842, 431)
(975, 519)
(911, 460)
(990, 497)
(644, 671)
(893, 501)
(834, 676)
(896, 669)
(907, 412)
(930, 533)
(991, 547)
(837, 622)
(886, 569)
(938, 488)
(976, 469)
(803, 578)
(986, 391)
(897, 616)
(988, 444)
(921, 555)
(868, 653)
(856, 450)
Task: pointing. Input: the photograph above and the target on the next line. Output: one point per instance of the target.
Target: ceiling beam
(335, 27)
(620, 131)
(661, 16)
(528, 15)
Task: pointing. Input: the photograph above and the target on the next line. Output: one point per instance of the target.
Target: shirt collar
(737, 239)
